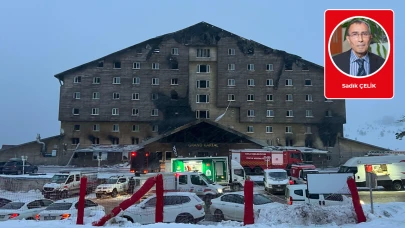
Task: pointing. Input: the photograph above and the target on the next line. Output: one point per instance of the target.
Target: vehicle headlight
(361, 202)
(220, 190)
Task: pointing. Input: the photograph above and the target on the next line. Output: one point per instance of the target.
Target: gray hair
(357, 21)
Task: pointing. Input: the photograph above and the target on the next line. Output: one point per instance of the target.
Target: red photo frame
(341, 85)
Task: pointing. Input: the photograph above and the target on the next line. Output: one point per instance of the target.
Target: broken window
(95, 141)
(305, 67)
(201, 98)
(288, 142)
(174, 95)
(288, 66)
(115, 141)
(174, 65)
(75, 141)
(77, 127)
(100, 64)
(134, 140)
(308, 143)
(202, 84)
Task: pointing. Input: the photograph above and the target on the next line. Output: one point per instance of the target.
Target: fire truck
(254, 161)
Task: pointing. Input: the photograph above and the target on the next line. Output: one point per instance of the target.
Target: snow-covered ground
(385, 215)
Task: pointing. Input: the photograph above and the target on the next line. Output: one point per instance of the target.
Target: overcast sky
(39, 39)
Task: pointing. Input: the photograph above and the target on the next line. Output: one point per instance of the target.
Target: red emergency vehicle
(299, 172)
(254, 161)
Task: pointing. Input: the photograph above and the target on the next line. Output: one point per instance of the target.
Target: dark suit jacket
(343, 61)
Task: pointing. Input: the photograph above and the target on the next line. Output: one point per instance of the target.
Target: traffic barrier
(80, 206)
(248, 216)
(356, 200)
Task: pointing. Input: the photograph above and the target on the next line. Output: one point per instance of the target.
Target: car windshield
(205, 178)
(278, 175)
(259, 199)
(13, 205)
(347, 169)
(13, 163)
(308, 172)
(112, 181)
(59, 206)
(59, 179)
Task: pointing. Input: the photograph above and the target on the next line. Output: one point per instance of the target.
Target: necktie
(362, 71)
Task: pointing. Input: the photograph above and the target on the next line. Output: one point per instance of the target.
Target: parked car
(4, 201)
(23, 209)
(179, 207)
(298, 194)
(231, 205)
(1, 166)
(67, 208)
(15, 166)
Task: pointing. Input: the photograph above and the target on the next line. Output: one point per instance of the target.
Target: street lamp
(24, 158)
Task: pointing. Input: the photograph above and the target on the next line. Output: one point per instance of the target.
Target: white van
(298, 194)
(390, 170)
(275, 180)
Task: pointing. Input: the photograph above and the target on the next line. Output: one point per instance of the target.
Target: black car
(14, 166)
(1, 166)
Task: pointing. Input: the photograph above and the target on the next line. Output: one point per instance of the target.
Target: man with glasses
(358, 61)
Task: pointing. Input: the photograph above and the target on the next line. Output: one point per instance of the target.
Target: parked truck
(113, 186)
(186, 182)
(275, 180)
(254, 161)
(299, 172)
(66, 183)
(389, 170)
(216, 169)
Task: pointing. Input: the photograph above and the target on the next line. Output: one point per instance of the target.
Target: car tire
(114, 193)
(236, 188)
(184, 218)
(35, 171)
(98, 196)
(64, 195)
(19, 172)
(397, 186)
(218, 216)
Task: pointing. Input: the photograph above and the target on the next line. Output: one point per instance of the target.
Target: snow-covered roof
(109, 148)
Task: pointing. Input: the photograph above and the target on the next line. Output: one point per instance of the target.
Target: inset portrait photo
(359, 47)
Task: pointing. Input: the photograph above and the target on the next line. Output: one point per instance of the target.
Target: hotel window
(231, 51)
(77, 127)
(231, 66)
(308, 97)
(201, 98)
(174, 81)
(155, 128)
(288, 97)
(96, 80)
(155, 81)
(289, 113)
(116, 80)
(154, 112)
(288, 82)
(115, 112)
(231, 82)
(202, 114)
(135, 96)
(308, 82)
(251, 82)
(269, 129)
(175, 51)
(76, 95)
(231, 97)
(135, 112)
(135, 128)
(308, 113)
(269, 113)
(251, 113)
(250, 97)
(269, 97)
(155, 96)
(117, 65)
(288, 129)
(155, 66)
(251, 67)
(250, 129)
(136, 65)
(269, 67)
(116, 128)
(203, 53)
(116, 96)
(203, 68)
(203, 84)
(95, 111)
(77, 79)
(136, 80)
(96, 127)
(75, 111)
(269, 82)
(96, 95)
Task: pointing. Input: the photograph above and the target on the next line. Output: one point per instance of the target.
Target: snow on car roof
(242, 193)
(70, 200)
(25, 200)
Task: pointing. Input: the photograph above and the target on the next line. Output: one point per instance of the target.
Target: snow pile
(303, 214)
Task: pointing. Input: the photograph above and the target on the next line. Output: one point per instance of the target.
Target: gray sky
(39, 39)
